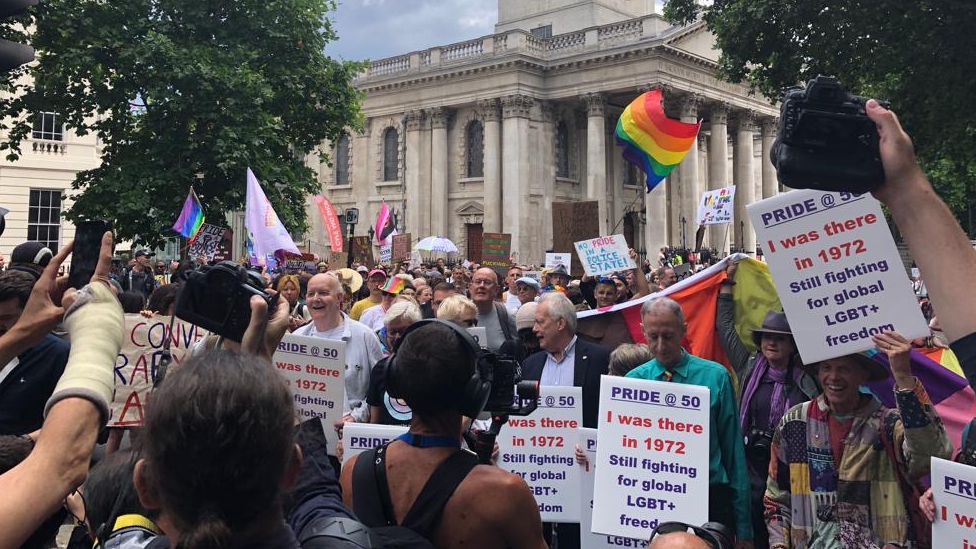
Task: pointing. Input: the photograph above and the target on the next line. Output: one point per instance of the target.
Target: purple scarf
(777, 405)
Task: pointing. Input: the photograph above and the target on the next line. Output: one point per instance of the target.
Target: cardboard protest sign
(338, 260)
(572, 222)
(225, 248)
(362, 251)
(955, 504)
(402, 247)
(495, 252)
(837, 271)
(207, 242)
(588, 539)
(480, 334)
(652, 460)
(314, 369)
(716, 206)
(386, 254)
(360, 437)
(566, 260)
(604, 255)
(138, 361)
(541, 448)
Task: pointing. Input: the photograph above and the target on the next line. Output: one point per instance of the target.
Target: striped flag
(191, 216)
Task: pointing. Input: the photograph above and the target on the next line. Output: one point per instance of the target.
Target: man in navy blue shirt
(27, 381)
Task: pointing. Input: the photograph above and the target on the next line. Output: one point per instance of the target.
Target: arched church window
(562, 150)
(342, 161)
(391, 154)
(475, 148)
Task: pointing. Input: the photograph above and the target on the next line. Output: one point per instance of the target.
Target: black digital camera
(509, 394)
(217, 298)
(759, 442)
(826, 140)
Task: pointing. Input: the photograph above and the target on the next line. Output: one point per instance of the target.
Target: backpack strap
(367, 499)
(426, 509)
(502, 313)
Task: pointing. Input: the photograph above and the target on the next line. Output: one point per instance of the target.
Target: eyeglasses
(482, 282)
(713, 535)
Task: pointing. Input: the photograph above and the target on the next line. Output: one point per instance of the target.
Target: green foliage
(187, 91)
(918, 55)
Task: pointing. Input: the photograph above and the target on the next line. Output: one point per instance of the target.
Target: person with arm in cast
(663, 324)
(844, 468)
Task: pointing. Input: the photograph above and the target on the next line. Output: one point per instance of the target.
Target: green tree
(918, 55)
(183, 92)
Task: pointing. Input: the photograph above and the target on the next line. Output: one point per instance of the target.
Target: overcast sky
(374, 29)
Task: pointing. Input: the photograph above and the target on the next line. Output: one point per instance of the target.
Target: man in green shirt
(663, 324)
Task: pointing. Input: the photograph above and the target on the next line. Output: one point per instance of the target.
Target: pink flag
(385, 225)
(265, 230)
(331, 222)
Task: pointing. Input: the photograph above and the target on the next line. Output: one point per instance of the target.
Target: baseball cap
(32, 252)
(528, 281)
(144, 253)
(525, 316)
(362, 269)
(376, 271)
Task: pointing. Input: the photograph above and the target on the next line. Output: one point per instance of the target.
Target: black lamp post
(352, 217)
(371, 233)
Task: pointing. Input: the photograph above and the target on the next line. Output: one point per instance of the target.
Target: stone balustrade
(516, 42)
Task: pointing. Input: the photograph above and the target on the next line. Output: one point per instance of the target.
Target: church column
(688, 176)
(770, 185)
(493, 150)
(516, 159)
(745, 190)
(596, 155)
(718, 158)
(439, 117)
(418, 212)
(548, 170)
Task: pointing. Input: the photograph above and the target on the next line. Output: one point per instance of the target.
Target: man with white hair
(566, 361)
(324, 301)
(663, 324)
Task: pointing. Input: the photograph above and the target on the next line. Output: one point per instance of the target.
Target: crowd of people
(799, 456)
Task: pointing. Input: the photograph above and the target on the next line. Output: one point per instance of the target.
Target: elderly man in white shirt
(324, 301)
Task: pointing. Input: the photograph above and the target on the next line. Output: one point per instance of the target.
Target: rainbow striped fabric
(651, 140)
(191, 216)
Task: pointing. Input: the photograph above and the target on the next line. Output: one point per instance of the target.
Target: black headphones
(472, 399)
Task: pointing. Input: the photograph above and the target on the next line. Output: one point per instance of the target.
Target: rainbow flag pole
(191, 217)
(651, 140)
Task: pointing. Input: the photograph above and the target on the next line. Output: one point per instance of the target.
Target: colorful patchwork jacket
(810, 503)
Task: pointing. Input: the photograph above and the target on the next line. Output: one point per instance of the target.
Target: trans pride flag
(754, 294)
(191, 216)
(651, 140)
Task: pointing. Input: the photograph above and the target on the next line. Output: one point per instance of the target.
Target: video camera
(217, 298)
(509, 396)
(826, 140)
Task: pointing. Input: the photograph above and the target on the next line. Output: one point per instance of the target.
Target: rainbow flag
(191, 216)
(651, 140)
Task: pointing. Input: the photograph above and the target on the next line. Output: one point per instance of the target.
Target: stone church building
(484, 135)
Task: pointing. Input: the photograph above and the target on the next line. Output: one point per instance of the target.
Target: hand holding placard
(604, 255)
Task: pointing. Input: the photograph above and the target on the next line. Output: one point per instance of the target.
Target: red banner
(331, 222)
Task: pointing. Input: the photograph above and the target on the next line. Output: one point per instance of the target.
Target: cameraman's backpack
(372, 504)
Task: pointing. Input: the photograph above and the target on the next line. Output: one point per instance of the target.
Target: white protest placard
(588, 539)
(837, 271)
(652, 457)
(480, 334)
(138, 362)
(535, 274)
(716, 206)
(541, 448)
(415, 260)
(360, 437)
(604, 255)
(915, 272)
(386, 253)
(564, 259)
(206, 242)
(314, 370)
(954, 495)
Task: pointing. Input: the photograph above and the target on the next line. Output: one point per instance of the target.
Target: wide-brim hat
(876, 371)
(774, 322)
(559, 270)
(350, 278)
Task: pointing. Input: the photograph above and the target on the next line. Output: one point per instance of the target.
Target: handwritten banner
(837, 271)
(138, 361)
(604, 255)
(338, 260)
(314, 370)
(717, 206)
(402, 247)
(652, 461)
(541, 448)
(207, 242)
(566, 260)
(496, 252)
(362, 251)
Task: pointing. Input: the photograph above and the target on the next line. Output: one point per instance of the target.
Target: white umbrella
(436, 244)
